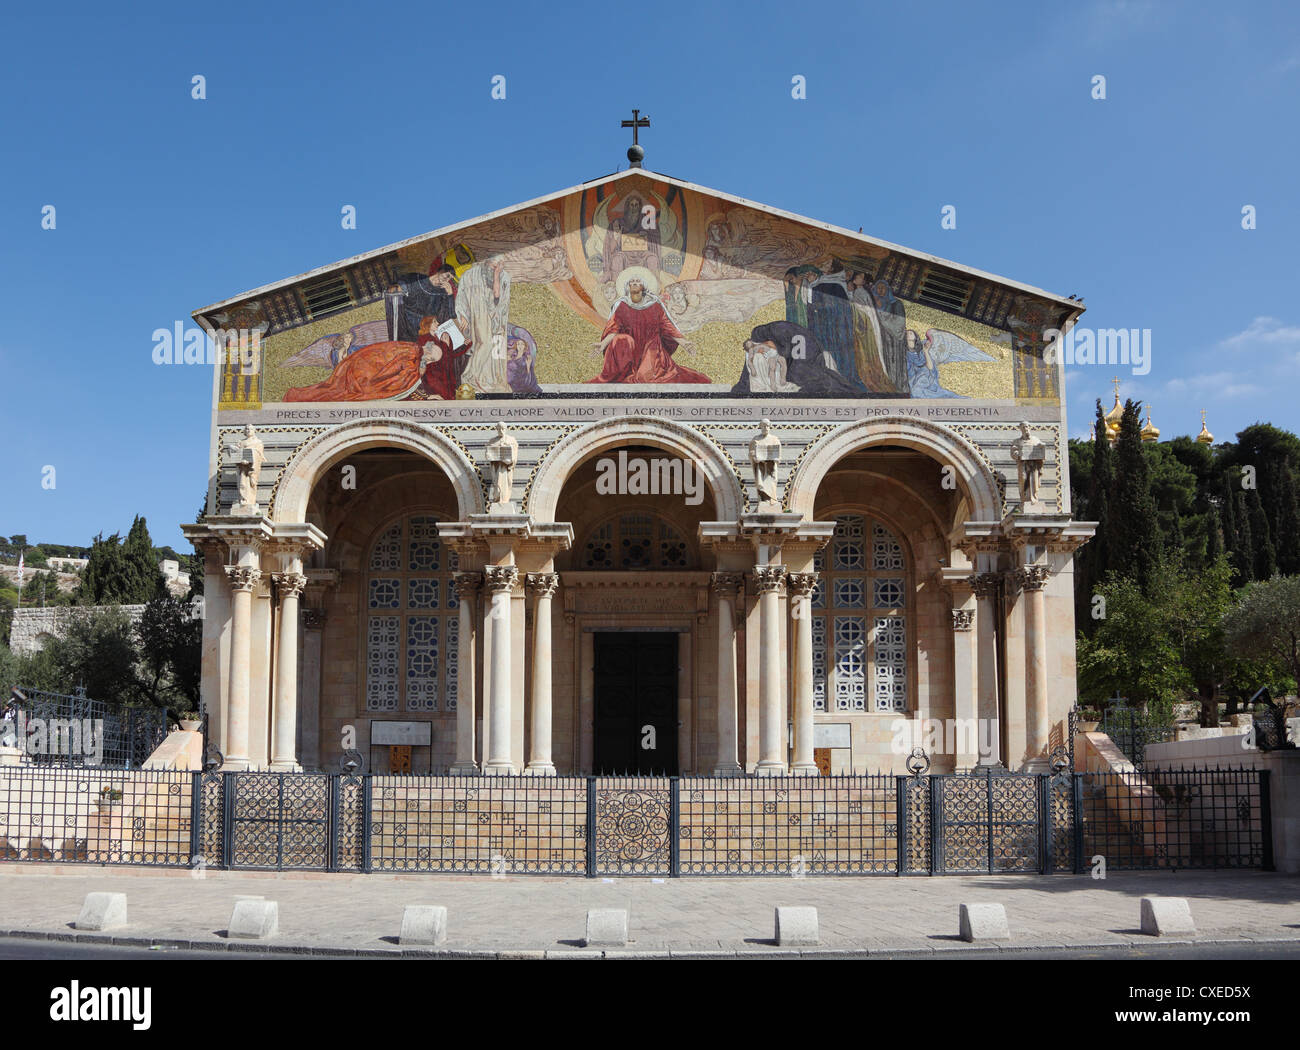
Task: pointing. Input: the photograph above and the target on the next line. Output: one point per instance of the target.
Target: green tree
(1265, 624)
(122, 573)
(1133, 538)
(171, 647)
(1131, 653)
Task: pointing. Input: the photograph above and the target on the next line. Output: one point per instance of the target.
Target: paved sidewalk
(486, 916)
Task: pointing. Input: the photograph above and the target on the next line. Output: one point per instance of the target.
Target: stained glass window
(411, 620)
(859, 623)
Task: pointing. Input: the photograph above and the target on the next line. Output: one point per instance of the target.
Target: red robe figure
(441, 365)
(639, 340)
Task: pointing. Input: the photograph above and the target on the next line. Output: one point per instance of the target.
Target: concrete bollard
(606, 928)
(254, 919)
(984, 922)
(423, 924)
(102, 911)
(796, 927)
(1167, 916)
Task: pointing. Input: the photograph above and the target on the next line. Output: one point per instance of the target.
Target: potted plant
(191, 721)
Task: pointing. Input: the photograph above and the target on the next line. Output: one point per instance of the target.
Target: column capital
(802, 584)
(1033, 577)
(242, 578)
(313, 619)
(984, 584)
(501, 579)
(727, 584)
(467, 585)
(767, 578)
(963, 619)
(543, 584)
(291, 584)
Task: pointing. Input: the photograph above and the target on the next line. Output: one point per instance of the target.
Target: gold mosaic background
(546, 244)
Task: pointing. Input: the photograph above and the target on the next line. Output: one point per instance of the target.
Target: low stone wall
(33, 627)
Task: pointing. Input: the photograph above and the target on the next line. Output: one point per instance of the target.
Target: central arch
(670, 436)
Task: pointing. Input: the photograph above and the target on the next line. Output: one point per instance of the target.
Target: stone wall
(32, 628)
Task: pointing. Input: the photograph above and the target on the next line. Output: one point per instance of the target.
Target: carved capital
(767, 578)
(727, 584)
(543, 584)
(313, 619)
(801, 584)
(290, 584)
(1033, 577)
(501, 579)
(242, 579)
(963, 619)
(467, 585)
(985, 584)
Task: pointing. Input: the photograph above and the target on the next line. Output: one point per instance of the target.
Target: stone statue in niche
(250, 454)
(1030, 454)
(502, 454)
(765, 454)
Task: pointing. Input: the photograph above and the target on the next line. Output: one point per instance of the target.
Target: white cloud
(1221, 384)
(1267, 331)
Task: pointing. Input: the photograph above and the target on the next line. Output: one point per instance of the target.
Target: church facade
(638, 477)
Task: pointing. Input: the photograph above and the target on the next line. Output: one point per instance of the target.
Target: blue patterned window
(860, 620)
(411, 627)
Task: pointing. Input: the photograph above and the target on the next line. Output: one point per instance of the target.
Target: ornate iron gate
(280, 821)
(633, 826)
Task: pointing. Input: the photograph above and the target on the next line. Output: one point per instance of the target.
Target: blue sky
(166, 203)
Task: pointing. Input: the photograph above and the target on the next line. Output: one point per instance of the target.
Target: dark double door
(635, 680)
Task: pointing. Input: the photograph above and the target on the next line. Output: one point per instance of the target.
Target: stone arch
(677, 438)
(937, 442)
(320, 453)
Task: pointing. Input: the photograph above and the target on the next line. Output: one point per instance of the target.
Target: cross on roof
(635, 152)
(636, 122)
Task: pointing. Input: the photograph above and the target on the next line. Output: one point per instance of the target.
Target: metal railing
(917, 824)
(73, 730)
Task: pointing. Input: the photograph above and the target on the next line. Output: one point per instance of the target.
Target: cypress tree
(1245, 561)
(1134, 537)
(1288, 531)
(1094, 558)
(1265, 564)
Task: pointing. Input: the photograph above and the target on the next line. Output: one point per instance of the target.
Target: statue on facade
(1030, 454)
(502, 454)
(765, 454)
(249, 456)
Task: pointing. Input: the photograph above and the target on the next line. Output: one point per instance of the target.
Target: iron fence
(918, 824)
(100, 816)
(1132, 731)
(62, 730)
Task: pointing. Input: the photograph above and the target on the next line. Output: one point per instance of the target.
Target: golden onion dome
(1204, 437)
(1150, 432)
(1117, 410)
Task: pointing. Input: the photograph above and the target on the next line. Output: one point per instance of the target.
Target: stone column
(543, 585)
(468, 585)
(727, 586)
(771, 697)
(501, 580)
(313, 623)
(965, 681)
(800, 586)
(243, 581)
(284, 743)
(985, 588)
(1033, 579)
